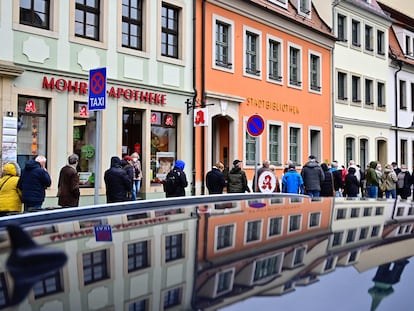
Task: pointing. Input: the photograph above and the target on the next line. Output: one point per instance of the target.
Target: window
(169, 31)
(329, 263)
(380, 94)
(224, 281)
(412, 97)
(174, 247)
(294, 145)
(351, 236)
(275, 60)
(363, 152)
(84, 129)
(380, 209)
(275, 226)
(223, 44)
(295, 67)
(32, 130)
(35, 13)
(304, 7)
(369, 34)
(48, 286)
(375, 231)
(314, 219)
(275, 144)
(267, 267)
(139, 305)
(225, 236)
(95, 266)
(299, 255)
(163, 143)
(380, 42)
(250, 149)
(403, 151)
(87, 16)
(356, 89)
(354, 212)
(138, 256)
(350, 149)
(337, 238)
(282, 3)
(132, 24)
(315, 142)
(363, 233)
(369, 90)
(356, 33)
(173, 298)
(342, 28)
(408, 47)
(315, 72)
(252, 53)
(253, 232)
(367, 211)
(342, 86)
(295, 223)
(340, 213)
(4, 292)
(403, 95)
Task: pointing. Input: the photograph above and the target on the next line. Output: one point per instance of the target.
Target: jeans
(392, 193)
(32, 208)
(372, 191)
(313, 193)
(338, 193)
(136, 185)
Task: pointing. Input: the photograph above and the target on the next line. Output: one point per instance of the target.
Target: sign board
(255, 125)
(103, 233)
(200, 117)
(267, 182)
(97, 89)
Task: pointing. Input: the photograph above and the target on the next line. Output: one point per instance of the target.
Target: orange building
(271, 58)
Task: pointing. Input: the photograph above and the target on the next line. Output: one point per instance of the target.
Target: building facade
(146, 49)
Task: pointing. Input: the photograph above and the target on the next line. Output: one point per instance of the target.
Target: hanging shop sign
(81, 88)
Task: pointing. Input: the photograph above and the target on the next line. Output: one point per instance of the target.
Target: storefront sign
(81, 88)
(9, 139)
(271, 105)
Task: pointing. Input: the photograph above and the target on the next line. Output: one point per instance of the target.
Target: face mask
(135, 159)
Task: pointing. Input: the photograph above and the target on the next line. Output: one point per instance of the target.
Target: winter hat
(180, 164)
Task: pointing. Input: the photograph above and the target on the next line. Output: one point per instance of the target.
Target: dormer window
(304, 7)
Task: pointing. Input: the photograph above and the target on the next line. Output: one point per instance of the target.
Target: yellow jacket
(10, 195)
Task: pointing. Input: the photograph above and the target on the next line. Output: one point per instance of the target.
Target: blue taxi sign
(97, 89)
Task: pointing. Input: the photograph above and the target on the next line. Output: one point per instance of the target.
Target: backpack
(171, 182)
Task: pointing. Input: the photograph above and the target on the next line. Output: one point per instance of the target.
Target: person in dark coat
(351, 184)
(404, 181)
(236, 179)
(176, 181)
(337, 178)
(33, 183)
(313, 176)
(215, 181)
(327, 186)
(68, 183)
(117, 182)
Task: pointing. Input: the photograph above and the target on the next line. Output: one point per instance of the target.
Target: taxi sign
(97, 89)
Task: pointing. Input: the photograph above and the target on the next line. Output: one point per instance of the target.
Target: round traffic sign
(266, 182)
(97, 83)
(255, 125)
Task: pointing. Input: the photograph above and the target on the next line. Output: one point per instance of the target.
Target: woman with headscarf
(10, 195)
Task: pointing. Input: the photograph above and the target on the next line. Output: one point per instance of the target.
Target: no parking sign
(97, 89)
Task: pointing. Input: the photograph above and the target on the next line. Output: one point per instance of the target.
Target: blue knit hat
(180, 164)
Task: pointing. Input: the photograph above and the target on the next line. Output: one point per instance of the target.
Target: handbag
(383, 186)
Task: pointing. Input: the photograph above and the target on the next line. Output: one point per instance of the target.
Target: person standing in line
(175, 181)
(33, 183)
(327, 186)
(215, 181)
(395, 167)
(389, 178)
(265, 167)
(236, 179)
(351, 188)
(68, 183)
(10, 195)
(372, 180)
(404, 183)
(378, 170)
(292, 181)
(136, 184)
(313, 176)
(357, 172)
(337, 178)
(126, 164)
(117, 182)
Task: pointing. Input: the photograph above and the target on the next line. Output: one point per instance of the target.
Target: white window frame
(319, 220)
(345, 27)
(281, 226)
(318, 88)
(280, 59)
(299, 81)
(371, 91)
(52, 32)
(281, 144)
(282, 3)
(260, 231)
(384, 43)
(300, 223)
(356, 44)
(103, 27)
(258, 35)
(345, 86)
(233, 238)
(305, 8)
(259, 140)
(311, 150)
(299, 144)
(358, 99)
(230, 56)
(370, 48)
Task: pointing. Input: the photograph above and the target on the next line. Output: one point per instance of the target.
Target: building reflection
(208, 256)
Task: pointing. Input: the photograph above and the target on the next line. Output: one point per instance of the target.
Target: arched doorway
(220, 143)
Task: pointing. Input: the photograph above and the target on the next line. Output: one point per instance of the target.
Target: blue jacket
(292, 182)
(33, 182)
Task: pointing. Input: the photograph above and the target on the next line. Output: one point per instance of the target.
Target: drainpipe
(193, 173)
(203, 91)
(399, 64)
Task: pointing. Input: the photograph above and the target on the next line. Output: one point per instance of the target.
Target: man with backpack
(175, 181)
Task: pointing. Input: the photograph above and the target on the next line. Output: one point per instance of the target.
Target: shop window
(84, 138)
(31, 128)
(163, 144)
